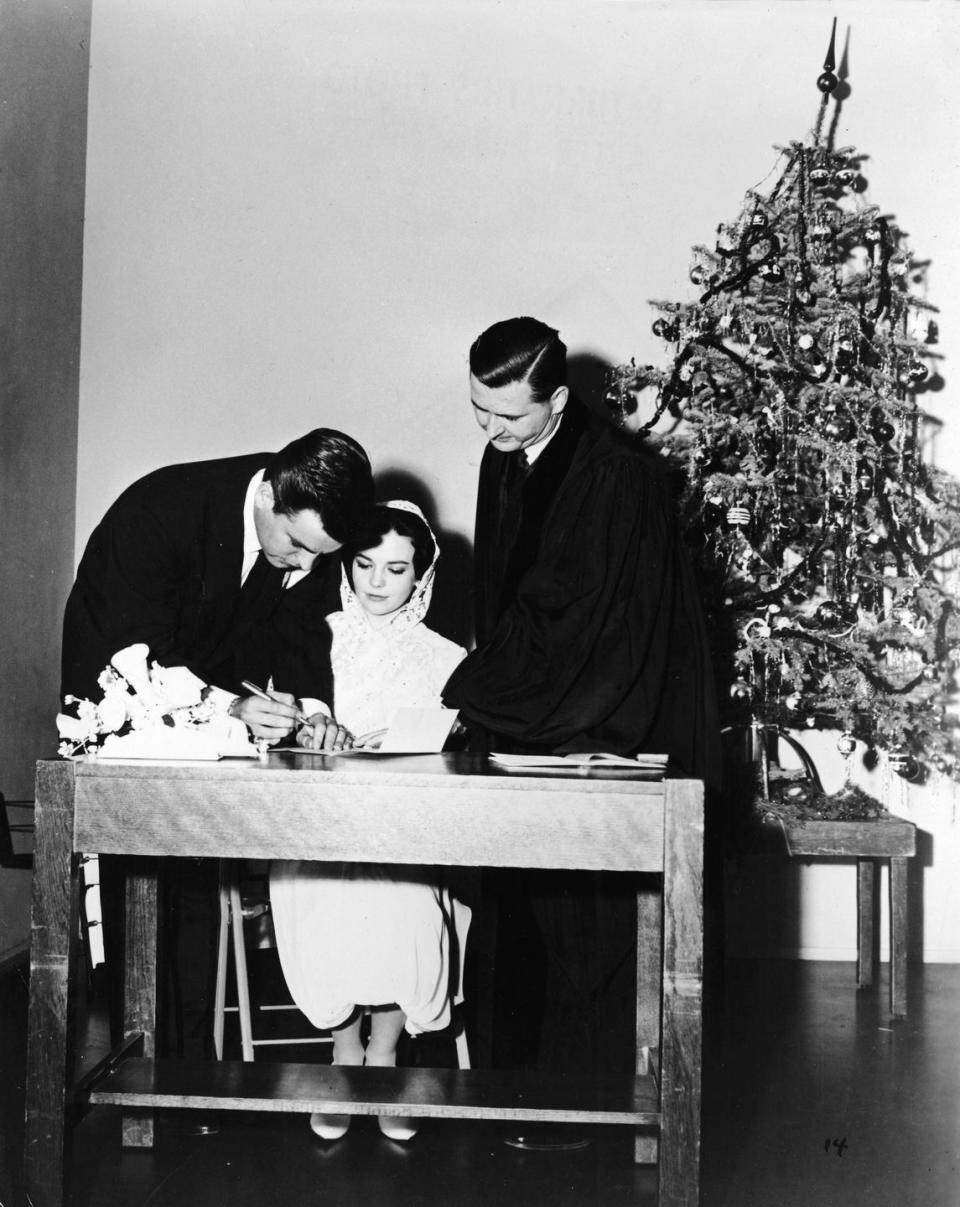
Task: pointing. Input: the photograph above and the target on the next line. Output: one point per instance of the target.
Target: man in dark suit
(223, 567)
(589, 638)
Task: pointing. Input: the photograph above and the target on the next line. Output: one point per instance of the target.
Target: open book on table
(593, 758)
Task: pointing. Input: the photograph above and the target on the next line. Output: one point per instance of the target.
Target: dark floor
(812, 1097)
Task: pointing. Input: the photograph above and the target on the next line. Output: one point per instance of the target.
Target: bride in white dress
(351, 936)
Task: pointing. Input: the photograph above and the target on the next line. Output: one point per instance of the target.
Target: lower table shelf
(467, 1094)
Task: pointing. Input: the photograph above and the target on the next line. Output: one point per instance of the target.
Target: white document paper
(418, 731)
(639, 762)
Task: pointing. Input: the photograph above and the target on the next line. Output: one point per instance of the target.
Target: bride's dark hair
(403, 523)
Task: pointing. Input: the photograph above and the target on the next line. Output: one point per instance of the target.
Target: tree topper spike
(829, 62)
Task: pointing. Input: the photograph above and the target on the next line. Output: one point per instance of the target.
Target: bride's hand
(323, 733)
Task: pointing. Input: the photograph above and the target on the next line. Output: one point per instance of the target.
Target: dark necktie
(263, 579)
(511, 495)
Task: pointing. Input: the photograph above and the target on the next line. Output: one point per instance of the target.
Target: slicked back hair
(520, 349)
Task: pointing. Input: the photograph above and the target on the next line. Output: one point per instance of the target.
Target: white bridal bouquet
(150, 711)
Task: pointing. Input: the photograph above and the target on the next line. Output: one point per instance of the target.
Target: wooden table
(869, 840)
(432, 809)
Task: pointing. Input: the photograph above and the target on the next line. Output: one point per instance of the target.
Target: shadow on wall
(451, 609)
(587, 377)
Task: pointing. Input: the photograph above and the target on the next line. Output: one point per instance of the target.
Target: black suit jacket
(163, 567)
(589, 628)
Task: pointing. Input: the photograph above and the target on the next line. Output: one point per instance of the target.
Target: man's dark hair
(520, 349)
(403, 523)
(326, 472)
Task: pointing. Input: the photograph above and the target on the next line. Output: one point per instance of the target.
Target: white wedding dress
(352, 934)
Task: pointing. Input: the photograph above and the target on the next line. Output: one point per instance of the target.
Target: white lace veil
(414, 610)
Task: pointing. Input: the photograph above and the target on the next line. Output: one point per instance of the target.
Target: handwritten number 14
(839, 1145)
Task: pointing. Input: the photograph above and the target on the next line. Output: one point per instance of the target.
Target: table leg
(649, 969)
(140, 982)
(866, 935)
(681, 1052)
(53, 943)
(898, 936)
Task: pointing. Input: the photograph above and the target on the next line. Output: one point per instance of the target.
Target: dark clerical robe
(589, 637)
(589, 630)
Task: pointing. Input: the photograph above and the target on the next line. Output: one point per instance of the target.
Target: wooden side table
(869, 841)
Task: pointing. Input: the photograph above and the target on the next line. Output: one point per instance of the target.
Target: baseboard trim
(932, 955)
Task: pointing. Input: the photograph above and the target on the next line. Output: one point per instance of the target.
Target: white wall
(301, 213)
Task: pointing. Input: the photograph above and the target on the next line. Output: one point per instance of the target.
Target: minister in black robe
(589, 638)
(165, 566)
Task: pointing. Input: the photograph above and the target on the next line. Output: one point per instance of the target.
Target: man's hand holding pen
(272, 719)
(269, 715)
(272, 716)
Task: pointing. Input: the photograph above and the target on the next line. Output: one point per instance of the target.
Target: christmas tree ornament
(903, 764)
(832, 615)
(827, 81)
(839, 427)
(917, 371)
(846, 744)
(666, 330)
(882, 431)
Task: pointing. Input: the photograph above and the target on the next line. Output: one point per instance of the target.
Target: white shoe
(397, 1127)
(329, 1127)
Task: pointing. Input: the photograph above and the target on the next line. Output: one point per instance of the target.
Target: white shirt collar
(251, 542)
(533, 451)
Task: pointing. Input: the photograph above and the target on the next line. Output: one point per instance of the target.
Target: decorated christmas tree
(825, 539)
